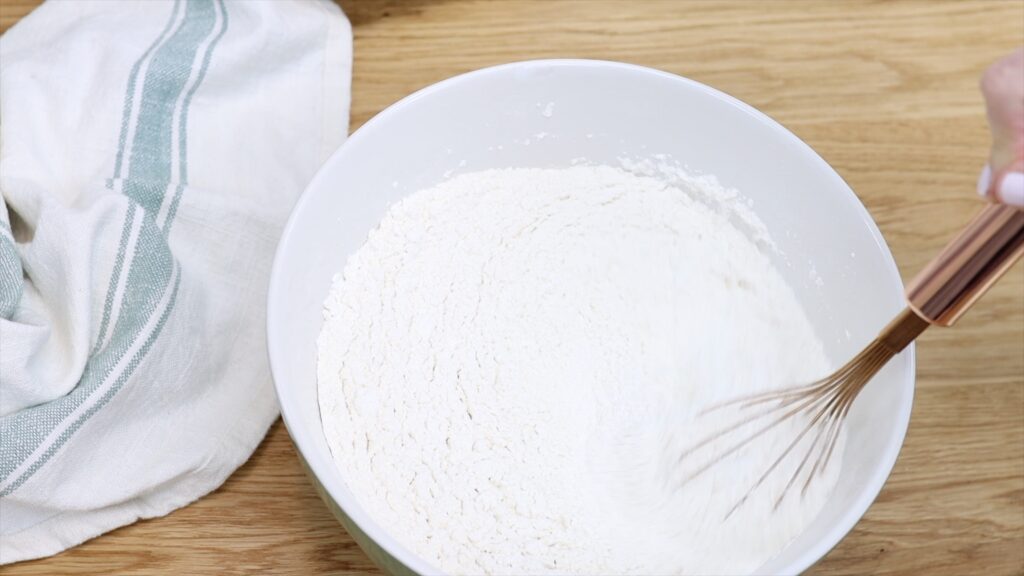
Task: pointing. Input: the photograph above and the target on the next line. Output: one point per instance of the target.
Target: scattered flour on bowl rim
(512, 363)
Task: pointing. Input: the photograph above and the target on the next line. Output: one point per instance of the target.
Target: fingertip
(1011, 189)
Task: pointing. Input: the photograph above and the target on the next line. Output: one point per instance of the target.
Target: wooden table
(886, 92)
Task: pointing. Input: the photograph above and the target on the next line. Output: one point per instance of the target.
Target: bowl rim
(373, 530)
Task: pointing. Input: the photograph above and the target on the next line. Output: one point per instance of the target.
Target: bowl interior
(551, 114)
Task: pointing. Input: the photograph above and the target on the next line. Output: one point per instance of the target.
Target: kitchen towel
(149, 155)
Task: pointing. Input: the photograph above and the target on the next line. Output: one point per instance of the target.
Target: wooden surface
(886, 92)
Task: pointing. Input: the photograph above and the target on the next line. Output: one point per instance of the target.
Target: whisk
(939, 295)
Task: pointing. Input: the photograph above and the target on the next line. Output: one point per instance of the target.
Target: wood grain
(885, 92)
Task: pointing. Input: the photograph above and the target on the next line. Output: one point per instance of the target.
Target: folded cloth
(149, 155)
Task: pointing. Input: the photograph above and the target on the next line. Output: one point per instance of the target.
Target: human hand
(1002, 84)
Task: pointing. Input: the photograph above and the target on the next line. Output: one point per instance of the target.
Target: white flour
(512, 363)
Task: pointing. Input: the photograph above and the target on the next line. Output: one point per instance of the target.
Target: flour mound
(512, 363)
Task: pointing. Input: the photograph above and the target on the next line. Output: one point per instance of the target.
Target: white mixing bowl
(547, 114)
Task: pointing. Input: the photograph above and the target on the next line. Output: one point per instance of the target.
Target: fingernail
(984, 180)
(1011, 189)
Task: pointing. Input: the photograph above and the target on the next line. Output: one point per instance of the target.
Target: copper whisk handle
(968, 265)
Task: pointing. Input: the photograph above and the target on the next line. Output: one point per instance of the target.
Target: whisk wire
(826, 413)
(826, 403)
(776, 463)
(800, 467)
(809, 400)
